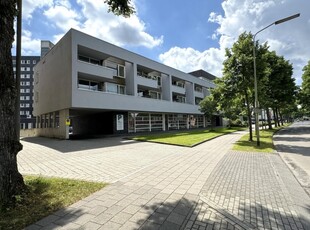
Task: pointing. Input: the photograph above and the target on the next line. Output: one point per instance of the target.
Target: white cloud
(94, 19)
(31, 5)
(30, 46)
(63, 17)
(288, 39)
(188, 59)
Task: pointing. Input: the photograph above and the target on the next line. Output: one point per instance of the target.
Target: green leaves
(305, 89)
(120, 7)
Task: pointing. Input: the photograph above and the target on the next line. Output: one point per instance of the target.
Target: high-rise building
(27, 120)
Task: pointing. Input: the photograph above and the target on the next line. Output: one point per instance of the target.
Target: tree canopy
(120, 7)
(234, 93)
(305, 89)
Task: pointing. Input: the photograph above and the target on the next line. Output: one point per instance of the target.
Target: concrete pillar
(63, 128)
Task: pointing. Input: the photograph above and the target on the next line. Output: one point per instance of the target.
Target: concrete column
(166, 87)
(131, 74)
(204, 121)
(63, 128)
(189, 89)
(150, 123)
(164, 122)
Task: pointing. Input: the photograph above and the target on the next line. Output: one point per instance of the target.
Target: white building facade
(91, 87)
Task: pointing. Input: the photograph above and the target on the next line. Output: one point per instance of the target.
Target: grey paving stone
(121, 218)
(243, 190)
(47, 220)
(176, 218)
(90, 226)
(110, 226)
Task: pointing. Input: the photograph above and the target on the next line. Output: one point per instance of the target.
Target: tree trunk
(278, 117)
(281, 117)
(11, 181)
(269, 119)
(275, 117)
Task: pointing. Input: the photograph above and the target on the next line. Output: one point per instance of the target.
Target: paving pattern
(168, 187)
(102, 159)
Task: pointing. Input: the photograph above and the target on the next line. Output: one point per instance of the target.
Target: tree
(120, 7)
(237, 83)
(305, 89)
(209, 107)
(11, 181)
(279, 90)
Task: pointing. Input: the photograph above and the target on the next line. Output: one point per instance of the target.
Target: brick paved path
(205, 187)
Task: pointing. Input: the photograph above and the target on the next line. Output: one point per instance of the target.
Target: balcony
(95, 70)
(198, 94)
(178, 89)
(148, 82)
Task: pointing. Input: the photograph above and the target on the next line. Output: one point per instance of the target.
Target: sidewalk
(205, 187)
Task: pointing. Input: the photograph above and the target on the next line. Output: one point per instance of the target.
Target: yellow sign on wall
(68, 122)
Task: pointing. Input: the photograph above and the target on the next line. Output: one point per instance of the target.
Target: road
(293, 145)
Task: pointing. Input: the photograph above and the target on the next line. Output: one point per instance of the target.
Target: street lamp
(256, 104)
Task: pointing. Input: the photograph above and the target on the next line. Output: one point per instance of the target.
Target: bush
(237, 123)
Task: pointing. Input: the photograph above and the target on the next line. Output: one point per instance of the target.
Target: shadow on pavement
(188, 214)
(67, 146)
(291, 139)
(305, 151)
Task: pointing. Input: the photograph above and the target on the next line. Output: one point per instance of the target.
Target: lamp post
(256, 104)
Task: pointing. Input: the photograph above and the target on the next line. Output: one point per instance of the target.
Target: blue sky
(185, 34)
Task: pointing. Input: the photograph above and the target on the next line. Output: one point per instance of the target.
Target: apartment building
(27, 120)
(84, 85)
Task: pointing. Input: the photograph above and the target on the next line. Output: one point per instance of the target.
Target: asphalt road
(293, 145)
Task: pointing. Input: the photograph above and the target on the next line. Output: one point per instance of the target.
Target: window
(155, 95)
(28, 76)
(28, 61)
(89, 60)
(34, 62)
(22, 90)
(179, 98)
(178, 83)
(23, 61)
(159, 81)
(198, 88)
(114, 88)
(22, 68)
(197, 100)
(27, 68)
(121, 71)
(27, 105)
(88, 85)
(22, 76)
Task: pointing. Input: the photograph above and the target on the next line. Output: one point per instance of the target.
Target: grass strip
(188, 138)
(266, 142)
(44, 197)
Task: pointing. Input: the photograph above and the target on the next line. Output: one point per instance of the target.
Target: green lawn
(45, 196)
(266, 143)
(188, 138)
